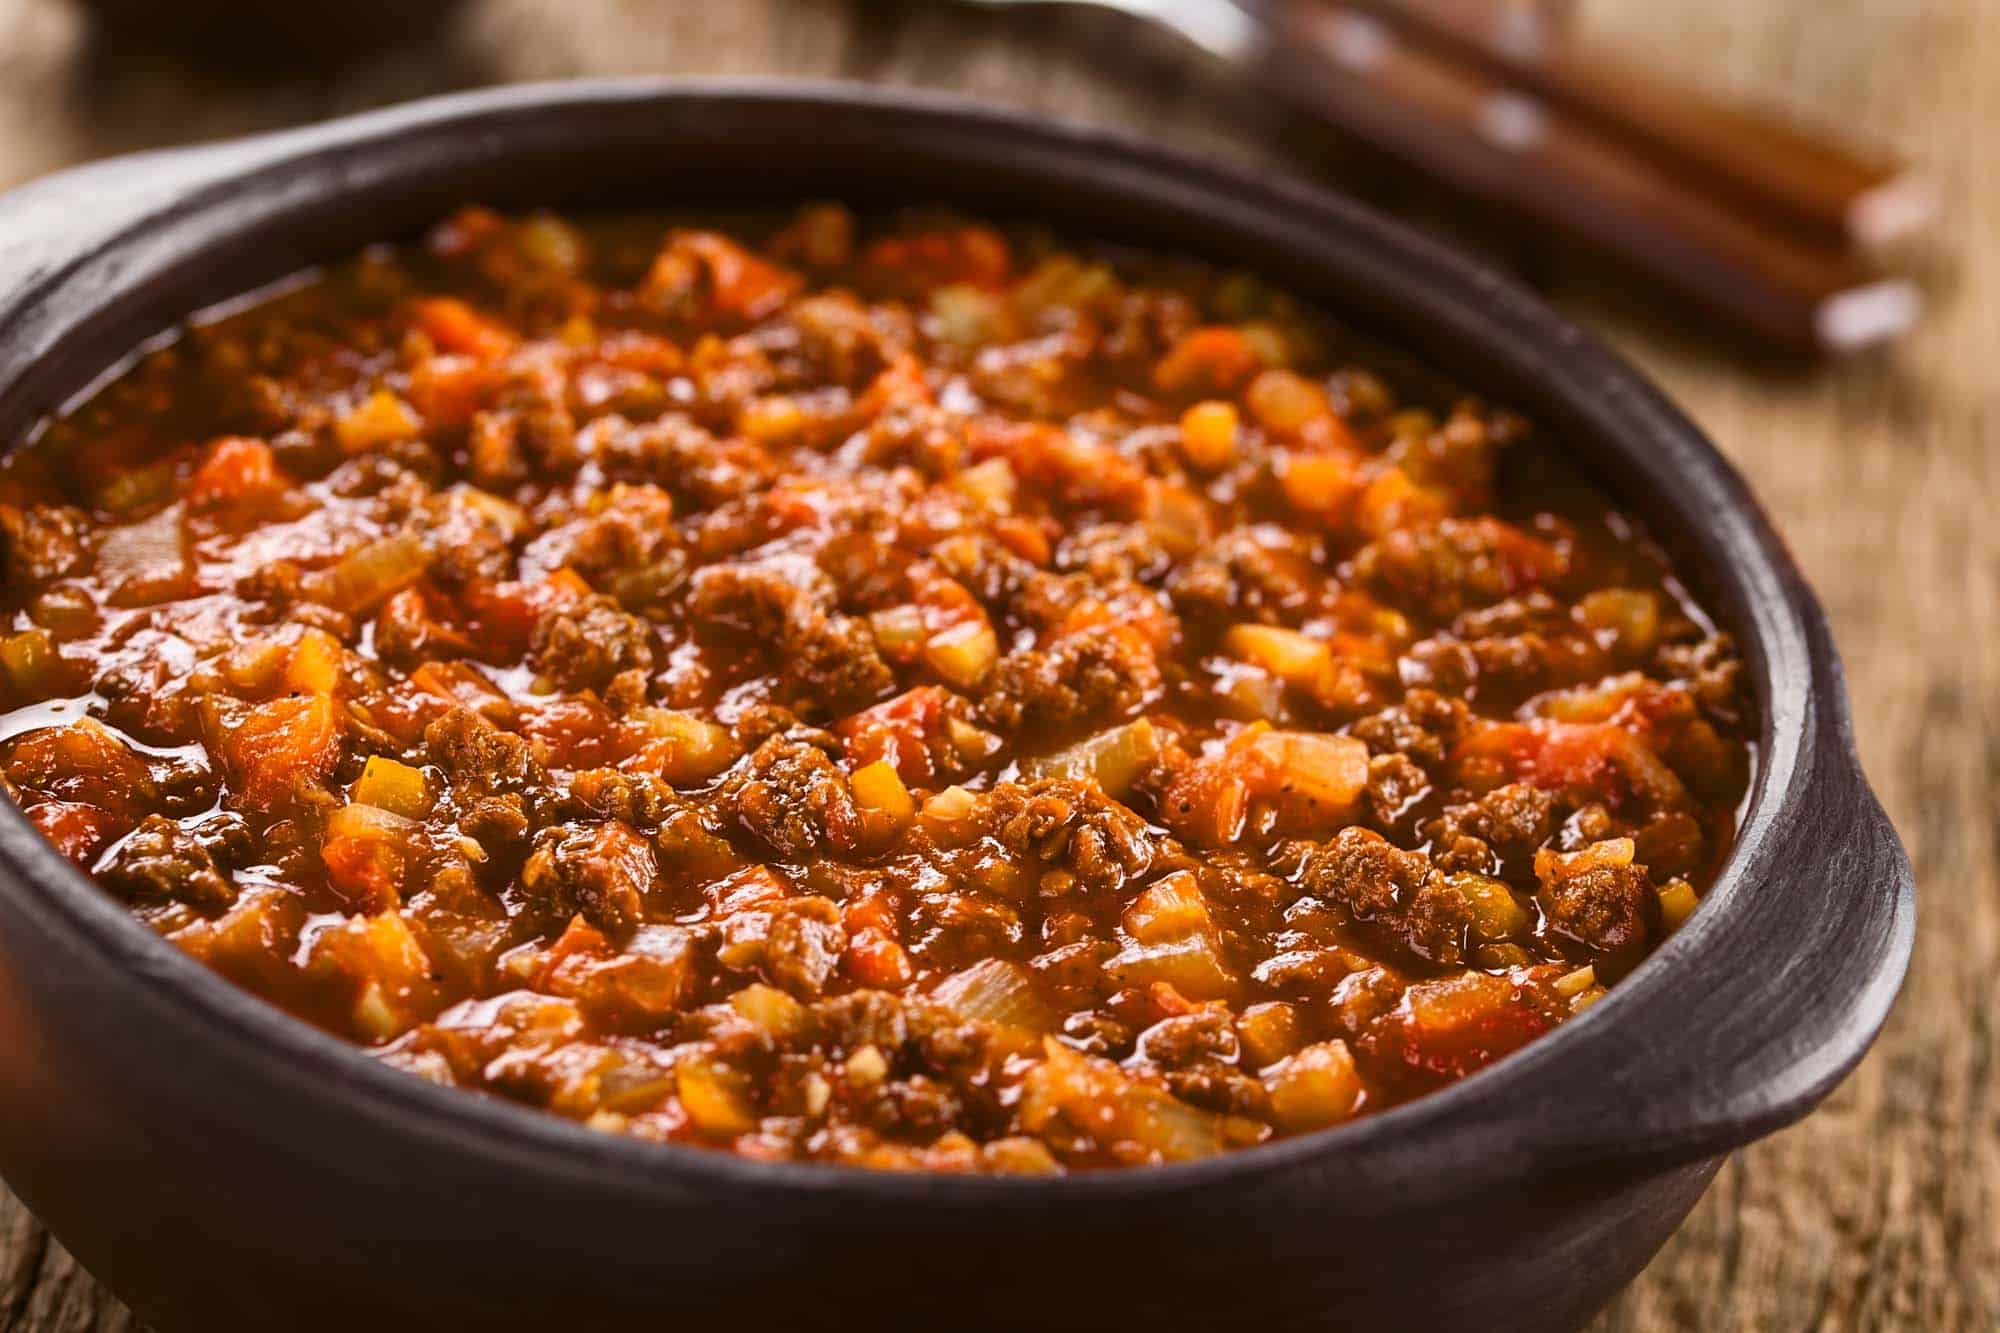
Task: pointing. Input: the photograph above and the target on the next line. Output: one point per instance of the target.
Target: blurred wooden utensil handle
(1802, 179)
(1481, 134)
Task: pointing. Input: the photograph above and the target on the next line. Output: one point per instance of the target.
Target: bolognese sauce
(917, 695)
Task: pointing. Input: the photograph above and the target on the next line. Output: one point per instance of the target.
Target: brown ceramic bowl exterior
(223, 1167)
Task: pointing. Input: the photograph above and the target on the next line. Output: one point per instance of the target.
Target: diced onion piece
(878, 786)
(388, 784)
(1113, 759)
(1287, 654)
(1252, 695)
(867, 1067)
(1496, 913)
(1019, 1155)
(1554, 865)
(899, 631)
(969, 316)
(1208, 434)
(1315, 1088)
(1631, 614)
(949, 814)
(1501, 957)
(369, 575)
(713, 1096)
(379, 419)
(1192, 965)
(1575, 983)
(146, 563)
(1168, 910)
(1178, 518)
(964, 653)
(998, 992)
(31, 662)
(1677, 903)
(1328, 771)
(681, 747)
(991, 483)
(370, 822)
(1098, 1098)
(771, 1011)
(1269, 1032)
(135, 488)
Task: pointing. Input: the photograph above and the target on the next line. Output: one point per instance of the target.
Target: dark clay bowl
(223, 1167)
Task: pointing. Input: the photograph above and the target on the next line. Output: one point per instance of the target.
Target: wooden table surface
(1882, 1211)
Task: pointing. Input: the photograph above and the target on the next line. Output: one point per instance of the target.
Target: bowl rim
(1806, 729)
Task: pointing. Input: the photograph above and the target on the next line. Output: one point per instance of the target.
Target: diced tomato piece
(897, 731)
(465, 231)
(237, 469)
(874, 958)
(366, 872)
(447, 390)
(579, 733)
(504, 614)
(82, 762)
(456, 327)
(1598, 760)
(78, 830)
(1210, 361)
(976, 256)
(705, 274)
(874, 910)
(1445, 1029)
(900, 384)
(280, 746)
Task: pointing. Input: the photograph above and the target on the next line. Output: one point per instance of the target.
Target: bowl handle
(1770, 1013)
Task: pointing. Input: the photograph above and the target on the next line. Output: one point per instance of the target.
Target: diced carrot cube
(1393, 501)
(456, 327)
(1208, 434)
(447, 390)
(875, 959)
(379, 419)
(237, 468)
(878, 786)
(315, 665)
(1212, 360)
(280, 746)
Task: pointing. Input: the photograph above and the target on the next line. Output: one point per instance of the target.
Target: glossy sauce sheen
(930, 698)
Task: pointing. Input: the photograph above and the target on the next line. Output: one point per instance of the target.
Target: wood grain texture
(1883, 1210)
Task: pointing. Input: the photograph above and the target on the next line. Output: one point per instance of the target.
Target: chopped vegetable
(391, 785)
(963, 654)
(877, 786)
(997, 992)
(1208, 434)
(379, 419)
(1677, 903)
(1113, 759)
(1315, 1088)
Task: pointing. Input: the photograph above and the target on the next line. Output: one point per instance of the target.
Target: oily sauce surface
(913, 695)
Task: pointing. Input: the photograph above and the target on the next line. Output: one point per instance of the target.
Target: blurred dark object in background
(265, 33)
